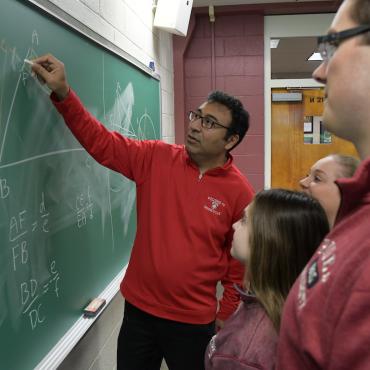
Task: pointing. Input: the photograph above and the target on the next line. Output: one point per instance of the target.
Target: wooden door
(291, 158)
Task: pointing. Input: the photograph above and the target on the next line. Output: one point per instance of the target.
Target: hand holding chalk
(51, 70)
(30, 63)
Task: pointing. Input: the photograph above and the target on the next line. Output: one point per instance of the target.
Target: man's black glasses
(206, 122)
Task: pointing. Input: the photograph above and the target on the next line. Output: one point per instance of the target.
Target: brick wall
(228, 55)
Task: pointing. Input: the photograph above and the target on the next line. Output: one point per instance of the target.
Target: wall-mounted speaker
(173, 16)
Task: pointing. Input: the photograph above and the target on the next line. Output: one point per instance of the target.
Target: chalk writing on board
(18, 223)
(78, 217)
(84, 208)
(32, 293)
(86, 189)
(120, 116)
(43, 219)
(17, 226)
(22, 225)
(17, 64)
(4, 189)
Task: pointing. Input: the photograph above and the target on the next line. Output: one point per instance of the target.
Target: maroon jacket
(248, 340)
(183, 239)
(326, 319)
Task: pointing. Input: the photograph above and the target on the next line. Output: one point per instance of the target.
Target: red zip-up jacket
(326, 319)
(182, 244)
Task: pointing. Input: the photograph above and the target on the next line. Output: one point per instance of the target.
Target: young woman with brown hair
(277, 235)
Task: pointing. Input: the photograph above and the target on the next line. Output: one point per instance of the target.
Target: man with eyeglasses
(326, 319)
(188, 199)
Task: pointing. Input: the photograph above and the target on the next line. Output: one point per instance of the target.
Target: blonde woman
(320, 181)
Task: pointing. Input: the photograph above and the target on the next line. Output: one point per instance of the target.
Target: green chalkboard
(67, 224)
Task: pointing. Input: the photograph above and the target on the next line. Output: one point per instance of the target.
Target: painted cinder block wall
(228, 55)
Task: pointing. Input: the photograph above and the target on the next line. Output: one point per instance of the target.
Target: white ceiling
(199, 3)
(289, 60)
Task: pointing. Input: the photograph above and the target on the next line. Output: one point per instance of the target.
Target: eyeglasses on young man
(328, 44)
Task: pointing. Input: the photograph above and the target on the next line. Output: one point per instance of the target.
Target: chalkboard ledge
(65, 345)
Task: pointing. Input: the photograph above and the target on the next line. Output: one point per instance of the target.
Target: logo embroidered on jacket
(302, 292)
(311, 274)
(214, 206)
(327, 254)
(212, 346)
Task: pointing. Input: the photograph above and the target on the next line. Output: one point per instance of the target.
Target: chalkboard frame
(67, 20)
(68, 341)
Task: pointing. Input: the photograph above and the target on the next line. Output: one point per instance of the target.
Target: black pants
(144, 340)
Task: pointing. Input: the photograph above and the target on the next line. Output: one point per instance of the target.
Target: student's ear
(231, 141)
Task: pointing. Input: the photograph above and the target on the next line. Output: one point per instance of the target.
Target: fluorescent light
(274, 43)
(315, 56)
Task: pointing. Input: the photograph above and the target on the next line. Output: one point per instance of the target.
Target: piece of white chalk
(28, 62)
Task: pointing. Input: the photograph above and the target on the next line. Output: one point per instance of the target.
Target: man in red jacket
(187, 200)
(326, 319)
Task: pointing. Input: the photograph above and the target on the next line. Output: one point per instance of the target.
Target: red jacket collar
(214, 171)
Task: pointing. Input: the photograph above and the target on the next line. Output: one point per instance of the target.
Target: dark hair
(286, 227)
(360, 13)
(347, 163)
(239, 116)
